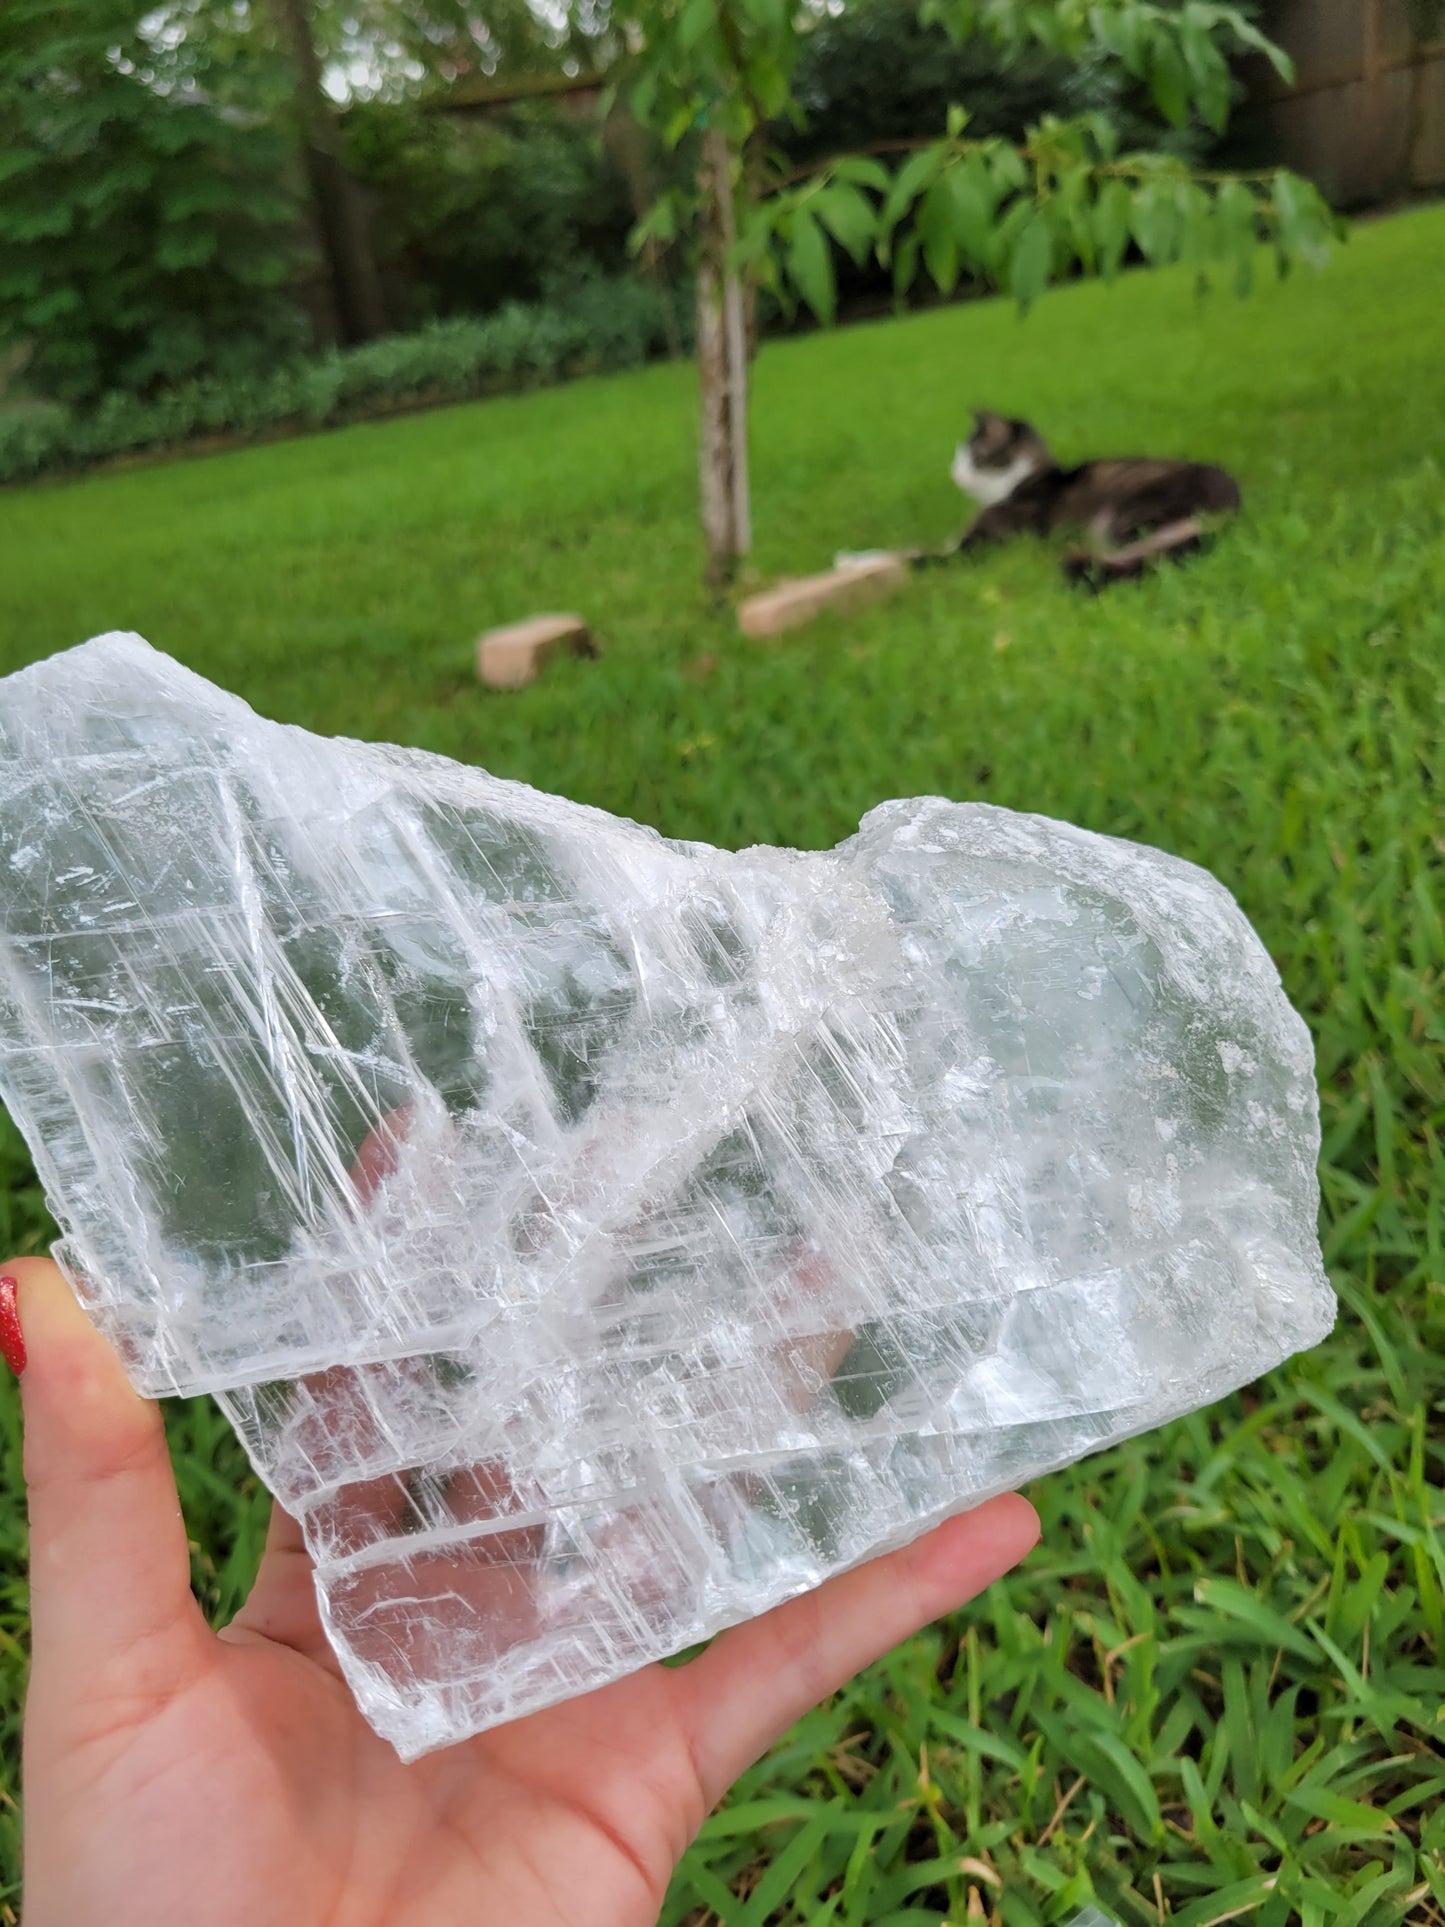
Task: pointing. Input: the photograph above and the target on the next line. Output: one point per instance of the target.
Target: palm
(278, 1801)
(166, 1762)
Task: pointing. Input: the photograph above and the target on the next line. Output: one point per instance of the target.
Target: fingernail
(12, 1339)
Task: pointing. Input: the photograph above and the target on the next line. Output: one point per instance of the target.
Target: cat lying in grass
(1135, 510)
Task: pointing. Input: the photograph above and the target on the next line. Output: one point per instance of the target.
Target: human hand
(176, 1774)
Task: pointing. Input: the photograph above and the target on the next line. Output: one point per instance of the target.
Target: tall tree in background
(337, 207)
(305, 63)
(1010, 214)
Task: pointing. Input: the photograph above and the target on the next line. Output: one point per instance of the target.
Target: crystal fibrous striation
(594, 1238)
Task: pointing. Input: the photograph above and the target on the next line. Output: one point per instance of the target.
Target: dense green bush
(147, 232)
(601, 325)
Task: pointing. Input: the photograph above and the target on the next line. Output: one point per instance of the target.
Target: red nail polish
(12, 1339)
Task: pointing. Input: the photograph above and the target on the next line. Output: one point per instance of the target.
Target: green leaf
(756, 238)
(659, 223)
(1135, 1777)
(679, 122)
(1168, 80)
(53, 307)
(940, 243)
(204, 196)
(1236, 216)
(973, 201)
(1303, 219)
(1321, 1804)
(1104, 134)
(1111, 226)
(1248, 35)
(1270, 1629)
(770, 15)
(1070, 213)
(1237, 210)
(782, 1875)
(188, 247)
(848, 216)
(1154, 220)
(914, 175)
(1237, 1900)
(1123, 32)
(42, 222)
(863, 171)
(1196, 222)
(905, 264)
(811, 266)
(1031, 260)
(1001, 240)
(19, 160)
(697, 18)
(1206, 66)
(1106, 1762)
(768, 85)
(1010, 169)
(748, 1817)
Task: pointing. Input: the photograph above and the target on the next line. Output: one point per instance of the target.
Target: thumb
(110, 1595)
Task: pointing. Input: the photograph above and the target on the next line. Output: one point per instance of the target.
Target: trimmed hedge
(602, 325)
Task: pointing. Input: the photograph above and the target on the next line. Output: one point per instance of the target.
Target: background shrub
(603, 324)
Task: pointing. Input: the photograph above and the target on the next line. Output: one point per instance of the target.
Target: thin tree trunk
(336, 202)
(722, 372)
(736, 333)
(715, 442)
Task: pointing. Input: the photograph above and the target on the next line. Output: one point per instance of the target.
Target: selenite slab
(596, 1239)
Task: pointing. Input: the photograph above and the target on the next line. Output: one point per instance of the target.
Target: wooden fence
(1365, 117)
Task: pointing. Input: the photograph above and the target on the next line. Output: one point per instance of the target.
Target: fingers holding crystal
(757, 1679)
(281, 1606)
(109, 1564)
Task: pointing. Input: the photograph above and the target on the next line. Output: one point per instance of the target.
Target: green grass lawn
(1216, 1689)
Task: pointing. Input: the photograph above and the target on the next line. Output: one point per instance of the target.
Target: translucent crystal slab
(596, 1239)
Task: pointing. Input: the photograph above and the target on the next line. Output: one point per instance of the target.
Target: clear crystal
(596, 1239)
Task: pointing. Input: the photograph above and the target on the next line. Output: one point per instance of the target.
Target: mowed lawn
(1216, 1689)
